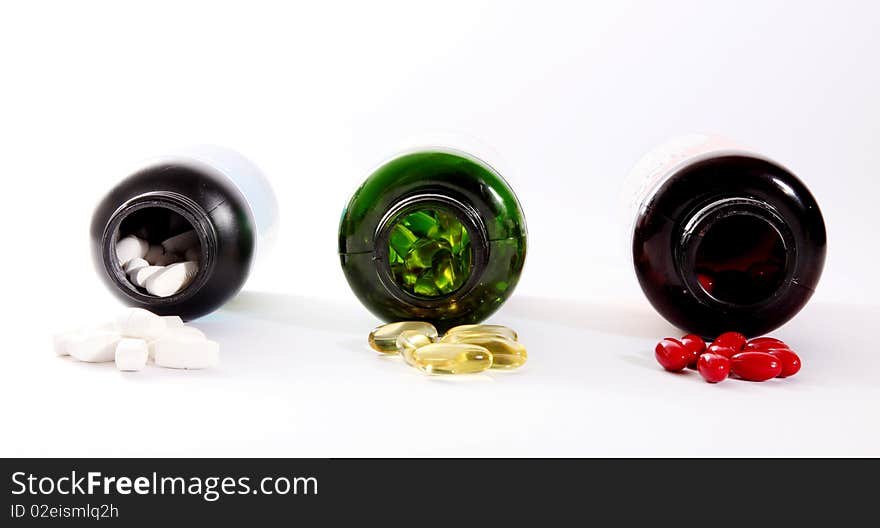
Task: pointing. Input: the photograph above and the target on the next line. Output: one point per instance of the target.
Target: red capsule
(725, 351)
(763, 344)
(755, 366)
(672, 355)
(766, 339)
(734, 340)
(713, 367)
(694, 343)
(707, 282)
(790, 361)
(764, 271)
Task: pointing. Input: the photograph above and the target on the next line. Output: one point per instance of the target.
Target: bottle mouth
(430, 249)
(737, 252)
(156, 217)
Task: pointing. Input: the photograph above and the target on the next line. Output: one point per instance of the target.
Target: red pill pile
(759, 359)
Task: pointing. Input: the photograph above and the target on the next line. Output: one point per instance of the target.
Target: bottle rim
(692, 235)
(193, 213)
(466, 214)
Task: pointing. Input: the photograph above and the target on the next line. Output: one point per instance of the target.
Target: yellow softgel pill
(485, 329)
(408, 341)
(506, 353)
(384, 338)
(451, 358)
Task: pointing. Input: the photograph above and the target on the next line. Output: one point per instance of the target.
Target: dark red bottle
(725, 239)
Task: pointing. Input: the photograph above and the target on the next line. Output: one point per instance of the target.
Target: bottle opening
(430, 253)
(158, 250)
(741, 259)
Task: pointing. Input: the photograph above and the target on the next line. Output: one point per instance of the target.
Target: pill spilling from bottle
(730, 354)
(465, 349)
(138, 336)
(162, 269)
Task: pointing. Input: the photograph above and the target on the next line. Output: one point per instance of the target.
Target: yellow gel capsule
(500, 330)
(506, 353)
(408, 341)
(384, 338)
(451, 358)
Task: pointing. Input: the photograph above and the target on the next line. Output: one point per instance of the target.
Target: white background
(562, 98)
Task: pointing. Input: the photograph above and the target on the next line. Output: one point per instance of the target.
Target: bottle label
(250, 181)
(655, 167)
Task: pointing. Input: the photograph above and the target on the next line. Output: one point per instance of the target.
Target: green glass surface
(426, 241)
(429, 253)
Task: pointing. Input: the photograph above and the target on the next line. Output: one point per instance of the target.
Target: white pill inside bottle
(155, 252)
(172, 279)
(181, 243)
(139, 276)
(130, 247)
(135, 264)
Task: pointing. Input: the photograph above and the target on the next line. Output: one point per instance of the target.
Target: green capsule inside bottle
(434, 236)
(429, 253)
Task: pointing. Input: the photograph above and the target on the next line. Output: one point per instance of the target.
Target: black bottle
(725, 239)
(212, 191)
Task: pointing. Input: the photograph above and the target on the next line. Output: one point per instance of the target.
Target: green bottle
(435, 236)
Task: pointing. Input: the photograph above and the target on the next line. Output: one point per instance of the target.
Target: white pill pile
(136, 337)
(162, 270)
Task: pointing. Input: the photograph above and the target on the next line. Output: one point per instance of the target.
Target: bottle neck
(471, 258)
(736, 253)
(158, 207)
